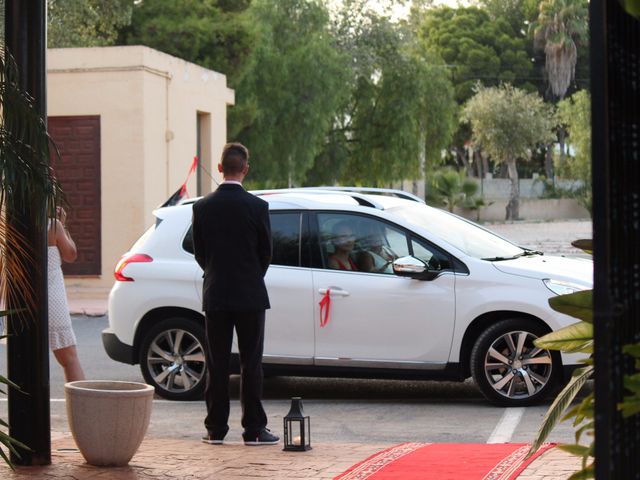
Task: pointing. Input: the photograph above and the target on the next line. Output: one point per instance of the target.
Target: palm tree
(560, 25)
(451, 189)
(25, 179)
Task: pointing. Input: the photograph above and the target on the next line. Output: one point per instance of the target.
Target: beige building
(128, 122)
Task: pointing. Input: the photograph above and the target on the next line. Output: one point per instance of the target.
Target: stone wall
(496, 188)
(530, 209)
(495, 192)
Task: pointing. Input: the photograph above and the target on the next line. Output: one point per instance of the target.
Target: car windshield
(462, 234)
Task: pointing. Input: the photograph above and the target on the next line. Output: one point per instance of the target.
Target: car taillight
(126, 260)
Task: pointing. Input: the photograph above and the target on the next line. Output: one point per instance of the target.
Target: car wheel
(172, 359)
(509, 369)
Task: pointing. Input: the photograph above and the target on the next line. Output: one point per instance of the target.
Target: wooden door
(78, 171)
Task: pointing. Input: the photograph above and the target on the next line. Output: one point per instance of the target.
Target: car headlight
(560, 287)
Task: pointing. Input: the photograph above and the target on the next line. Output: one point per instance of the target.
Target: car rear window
(285, 233)
(187, 241)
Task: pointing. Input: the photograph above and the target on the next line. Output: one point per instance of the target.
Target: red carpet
(445, 461)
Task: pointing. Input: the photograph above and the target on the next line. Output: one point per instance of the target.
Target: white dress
(60, 330)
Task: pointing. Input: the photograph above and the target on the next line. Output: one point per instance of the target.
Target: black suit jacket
(232, 244)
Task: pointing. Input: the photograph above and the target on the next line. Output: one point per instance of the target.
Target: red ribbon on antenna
(325, 306)
(192, 168)
(182, 191)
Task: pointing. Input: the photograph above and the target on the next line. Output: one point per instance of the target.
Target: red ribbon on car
(325, 306)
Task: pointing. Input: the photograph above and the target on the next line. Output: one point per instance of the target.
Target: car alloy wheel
(173, 360)
(515, 367)
(507, 366)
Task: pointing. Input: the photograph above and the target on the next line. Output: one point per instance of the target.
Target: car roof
(326, 197)
(321, 198)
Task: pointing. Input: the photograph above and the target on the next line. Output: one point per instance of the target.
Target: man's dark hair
(234, 158)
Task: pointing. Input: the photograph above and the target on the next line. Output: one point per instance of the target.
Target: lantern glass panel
(294, 431)
(307, 432)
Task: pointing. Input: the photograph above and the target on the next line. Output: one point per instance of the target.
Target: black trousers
(249, 327)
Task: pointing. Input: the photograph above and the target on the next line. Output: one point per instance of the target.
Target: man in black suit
(232, 244)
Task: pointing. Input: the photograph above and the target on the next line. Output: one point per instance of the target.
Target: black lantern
(297, 428)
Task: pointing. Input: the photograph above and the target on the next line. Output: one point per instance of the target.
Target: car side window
(359, 243)
(187, 241)
(434, 258)
(285, 233)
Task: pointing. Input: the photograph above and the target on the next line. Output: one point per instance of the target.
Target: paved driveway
(548, 237)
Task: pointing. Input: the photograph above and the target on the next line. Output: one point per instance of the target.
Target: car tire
(172, 359)
(508, 369)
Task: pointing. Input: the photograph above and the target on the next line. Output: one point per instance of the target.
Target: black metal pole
(28, 345)
(602, 300)
(615, 70)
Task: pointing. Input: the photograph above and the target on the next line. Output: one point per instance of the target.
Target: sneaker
(265, 437)
(213, 439)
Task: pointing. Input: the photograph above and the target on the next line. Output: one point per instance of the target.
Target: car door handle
(338, 292)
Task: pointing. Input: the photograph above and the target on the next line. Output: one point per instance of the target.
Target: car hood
(575, 270)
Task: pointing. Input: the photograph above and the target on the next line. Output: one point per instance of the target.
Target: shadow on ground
(371, 389)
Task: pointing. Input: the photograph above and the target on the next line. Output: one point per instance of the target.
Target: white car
(457, 300)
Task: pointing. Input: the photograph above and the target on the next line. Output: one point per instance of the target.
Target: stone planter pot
(108, 419)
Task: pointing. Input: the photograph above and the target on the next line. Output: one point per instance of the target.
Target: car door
(376, 318)
(289, 323)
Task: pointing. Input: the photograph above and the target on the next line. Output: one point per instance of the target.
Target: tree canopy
(476, 48)
(212, 33)
(86, 23)
(294, 83)
(575, 113)
(400, 111)
(341, 92)
(507, 123)
(518, 13)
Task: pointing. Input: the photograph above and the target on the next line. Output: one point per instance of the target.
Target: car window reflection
(360, 244)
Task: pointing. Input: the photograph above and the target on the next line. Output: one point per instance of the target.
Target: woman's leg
(68, 358)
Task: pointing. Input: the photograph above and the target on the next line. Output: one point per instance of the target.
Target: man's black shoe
(265, 437)
(213, 439)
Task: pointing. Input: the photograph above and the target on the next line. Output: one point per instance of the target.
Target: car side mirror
(413, 267)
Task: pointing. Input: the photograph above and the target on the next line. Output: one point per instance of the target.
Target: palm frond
(633, 350)
(11, 443)
(16, 260)
(577, 337)
(632, 7)
(6, 459)
(559, 405)
(26, 181)
(577, 450)
(581, 411)
(8, 382)
(27, 186)
(587, 427)
(585, 244)
(585, 473)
